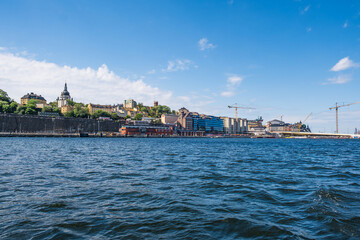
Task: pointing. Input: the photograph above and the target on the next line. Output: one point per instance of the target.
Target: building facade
(168, 118)
(231, 126)
(209, 124)
(130, 103)
(32, 96)
(185, 120)
(95, 107)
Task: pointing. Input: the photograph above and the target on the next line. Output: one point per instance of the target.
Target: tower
(64, 96)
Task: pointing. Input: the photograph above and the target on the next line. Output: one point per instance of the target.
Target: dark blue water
(66, 188)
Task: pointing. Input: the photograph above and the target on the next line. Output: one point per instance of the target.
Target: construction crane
(236, 118)
(301, 123)
(337, 115)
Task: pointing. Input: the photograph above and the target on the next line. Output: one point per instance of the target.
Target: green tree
(71, 102)
(81, 112)
(114, 116)
(138, 116)
(69, 114)
(20, 109)
(31, 107)
(127, 117)
(4, 96)
(100, 113)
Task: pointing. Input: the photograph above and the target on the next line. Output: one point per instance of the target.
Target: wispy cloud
(227, 93)
(2, 48)
(345, 25)
(232, 82)
(305, 10)
(205, 44)
(308, 29)
(152, 71)
(179, 65)
(343, 64)
(341, 79)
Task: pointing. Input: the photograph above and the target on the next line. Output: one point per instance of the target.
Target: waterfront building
(26, 98)
(169, 118)
(231, 126)
(209, 124)
(280, 126)
(130, 130)
(130, 103)
(95, 107)
(64, 97)
(277, 126)
(256, 127)
(185, 120)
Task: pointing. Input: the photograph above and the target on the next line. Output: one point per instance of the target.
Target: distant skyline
(283, 58)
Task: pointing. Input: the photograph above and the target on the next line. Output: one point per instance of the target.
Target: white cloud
(341, 79)
(344, 64)
(345, 24)
(20, 75)
(179, 65)
(2, 48)
(232, 82)
(205, 44)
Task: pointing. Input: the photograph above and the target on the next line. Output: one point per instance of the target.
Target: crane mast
(337, 112)
(236, 118)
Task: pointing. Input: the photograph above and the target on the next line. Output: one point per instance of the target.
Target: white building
(131, 103)
(233, 127)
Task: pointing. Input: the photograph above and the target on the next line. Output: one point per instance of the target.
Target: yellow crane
(301, 123)
(236, 118)
(337, 114)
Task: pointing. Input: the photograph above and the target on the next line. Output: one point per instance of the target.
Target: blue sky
(276, 56)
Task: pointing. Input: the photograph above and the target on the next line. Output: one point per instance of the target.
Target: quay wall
(38, 124)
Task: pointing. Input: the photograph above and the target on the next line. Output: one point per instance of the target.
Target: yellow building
(66, 108)
(26, 98)
(95, 107)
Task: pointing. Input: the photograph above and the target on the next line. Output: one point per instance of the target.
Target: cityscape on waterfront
(156, 119)
(179, 119)
(137, 119)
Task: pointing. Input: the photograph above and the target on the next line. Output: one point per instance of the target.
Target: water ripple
(62, 188)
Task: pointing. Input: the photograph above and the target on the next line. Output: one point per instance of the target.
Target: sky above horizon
(284, 58)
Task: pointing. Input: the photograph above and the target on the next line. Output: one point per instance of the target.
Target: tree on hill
(31, 107)
(4, 96)
(156, 111)
(138, 116)
(100, 113)
(114, 116)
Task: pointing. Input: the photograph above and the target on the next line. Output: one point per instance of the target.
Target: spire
(65, 88)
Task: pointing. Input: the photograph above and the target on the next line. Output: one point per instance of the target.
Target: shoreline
(117, 135)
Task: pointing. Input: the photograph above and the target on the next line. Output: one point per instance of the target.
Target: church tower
(65, 95)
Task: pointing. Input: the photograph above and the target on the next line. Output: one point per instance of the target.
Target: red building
(146, 130)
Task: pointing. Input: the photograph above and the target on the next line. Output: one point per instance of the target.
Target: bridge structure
(317, 135)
